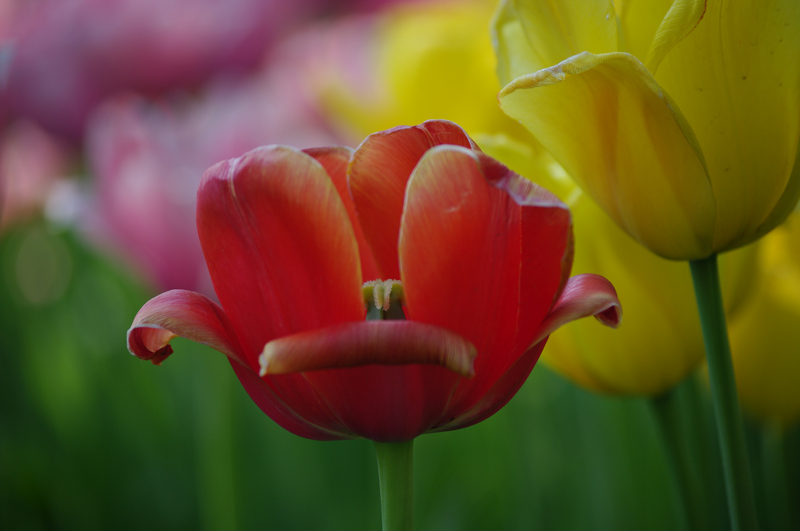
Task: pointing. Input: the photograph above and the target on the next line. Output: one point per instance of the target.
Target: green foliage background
(93, 439)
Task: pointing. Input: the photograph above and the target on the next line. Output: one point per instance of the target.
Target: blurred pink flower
(70, 55)
(148, 160)
(31, 163)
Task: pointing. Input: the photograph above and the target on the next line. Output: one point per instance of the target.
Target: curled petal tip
(161, 354)
(156, 357)
(179, 313)
(149, 343)
(584, 295)
(368, 343)
(611, 315)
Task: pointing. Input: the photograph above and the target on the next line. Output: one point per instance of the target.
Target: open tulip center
(384, 300)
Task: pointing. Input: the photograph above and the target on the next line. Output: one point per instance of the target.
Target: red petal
(584, 295)
(279, 246)
(278, 410)
(387, 403)
(394, 403)
(378, 174)
(193, 316)
(185, 314)
(499, 394)
(443, 132)
(366, 343)
(283, 258)
(335, 161)
(483, 252)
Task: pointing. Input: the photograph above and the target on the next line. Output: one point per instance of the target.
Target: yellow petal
(614, 130)
(515, 55)
(682, 17)
(560, 29)
(529, 36)
(736, 79)
(638, 22)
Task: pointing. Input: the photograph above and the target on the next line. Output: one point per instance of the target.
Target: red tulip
(482, 255)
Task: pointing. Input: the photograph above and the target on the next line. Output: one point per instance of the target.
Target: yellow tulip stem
(396, 475)
(776, 484)
(730, 428)
(669, 412)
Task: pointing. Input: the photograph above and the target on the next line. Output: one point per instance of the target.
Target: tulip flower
(407, 287)
(681, 121)
(479, 257)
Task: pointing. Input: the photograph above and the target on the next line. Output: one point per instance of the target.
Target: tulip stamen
(383, 299)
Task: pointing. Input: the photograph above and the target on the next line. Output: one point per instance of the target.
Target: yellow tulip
(681, 119)
(765, 341)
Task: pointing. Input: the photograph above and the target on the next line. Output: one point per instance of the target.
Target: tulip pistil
(384, 300)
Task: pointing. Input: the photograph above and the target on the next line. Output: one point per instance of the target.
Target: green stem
(396, 475)
(776, 484)
(735, 464)
(668, 412)
(701, 437)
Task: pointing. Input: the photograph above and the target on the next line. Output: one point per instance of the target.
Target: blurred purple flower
(69, 55)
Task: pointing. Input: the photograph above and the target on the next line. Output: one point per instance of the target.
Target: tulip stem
(669, 410)
(776, 484)
(396, 476)
(730, 428)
